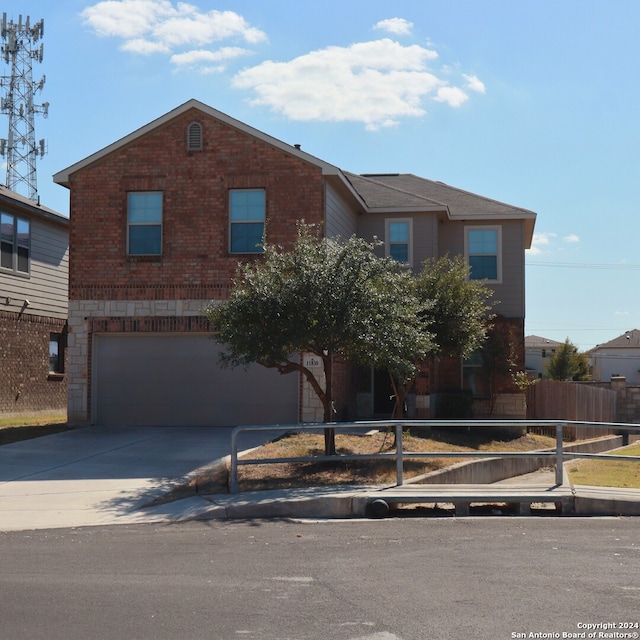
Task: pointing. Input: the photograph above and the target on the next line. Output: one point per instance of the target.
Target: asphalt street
(395, 579)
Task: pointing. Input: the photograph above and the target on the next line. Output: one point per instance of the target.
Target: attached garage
(176, 380)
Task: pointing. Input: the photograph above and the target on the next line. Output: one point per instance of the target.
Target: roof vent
(194, 137)
(380, 175)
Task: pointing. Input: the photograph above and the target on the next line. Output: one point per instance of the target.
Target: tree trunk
(400, 393)
(329, 433)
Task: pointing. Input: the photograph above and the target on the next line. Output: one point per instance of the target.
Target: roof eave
(407, 210)
(528, 217)
(22, 202)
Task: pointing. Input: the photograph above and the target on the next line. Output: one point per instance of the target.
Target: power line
(585, 265)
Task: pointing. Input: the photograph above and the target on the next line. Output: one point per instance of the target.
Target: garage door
(176, 380)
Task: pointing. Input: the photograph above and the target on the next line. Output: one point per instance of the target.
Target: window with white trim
(144, 223)
(483, 253)
(247, 213)
(399, 240)
(15, 243)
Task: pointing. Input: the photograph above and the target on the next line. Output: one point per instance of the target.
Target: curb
(354, 503)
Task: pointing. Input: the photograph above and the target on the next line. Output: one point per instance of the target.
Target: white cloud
(473, 83)
(543, 242)
(204, 59)
(375, 83)
(540, 242)
(453, 96)
(127, 19)
(144, 47)
(543, 238)
(159, 26)
(397, 26)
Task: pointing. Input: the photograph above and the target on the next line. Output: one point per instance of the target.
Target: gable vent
(194, 137)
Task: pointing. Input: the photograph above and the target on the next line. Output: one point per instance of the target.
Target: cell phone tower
(20, 49)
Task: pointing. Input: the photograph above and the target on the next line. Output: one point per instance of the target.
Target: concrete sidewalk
(108, 475)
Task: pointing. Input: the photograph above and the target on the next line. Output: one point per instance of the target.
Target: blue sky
(536, 104)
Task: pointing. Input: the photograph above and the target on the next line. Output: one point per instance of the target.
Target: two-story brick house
(33, 306)
(159, 221)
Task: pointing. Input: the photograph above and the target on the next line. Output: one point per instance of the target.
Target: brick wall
(25, 383)
(195, 188)
(110, 291)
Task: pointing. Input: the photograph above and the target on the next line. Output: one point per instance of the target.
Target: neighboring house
(619, 357)
(160, 220)
(33, 306)
(537, 352)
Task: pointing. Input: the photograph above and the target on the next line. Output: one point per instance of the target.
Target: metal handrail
(399, 455)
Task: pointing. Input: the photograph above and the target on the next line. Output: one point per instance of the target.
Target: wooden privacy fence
(555, 400)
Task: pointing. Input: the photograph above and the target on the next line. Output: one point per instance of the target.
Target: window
(56, 353)
(14, 243)
(194, 137)
(398, 244)
(247, 217)
(482, 248)
(144, 223)
(474, 377)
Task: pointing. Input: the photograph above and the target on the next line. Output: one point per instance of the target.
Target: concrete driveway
(104, 475)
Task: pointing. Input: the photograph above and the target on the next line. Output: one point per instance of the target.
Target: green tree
(498, 358)
(455, 313)
(567, 363)
(456, 308)
(325, 297)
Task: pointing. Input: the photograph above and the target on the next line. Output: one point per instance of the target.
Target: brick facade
(195, 185)
(26, 386)
(112, 292)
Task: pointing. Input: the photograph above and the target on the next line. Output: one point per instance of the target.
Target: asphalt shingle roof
(407, 190)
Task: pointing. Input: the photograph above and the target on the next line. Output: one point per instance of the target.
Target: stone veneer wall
(628, 406)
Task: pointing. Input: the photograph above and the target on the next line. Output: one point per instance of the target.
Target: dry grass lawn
(601, 473)
(290, 475)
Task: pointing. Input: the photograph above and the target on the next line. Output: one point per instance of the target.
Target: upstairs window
(144, 223)
(482, 249)
(194, 137)
(15, 242)
(247, 212)
(398, 245)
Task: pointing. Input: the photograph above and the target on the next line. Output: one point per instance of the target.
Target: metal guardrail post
(399, 459)
(559, 468)
(233, 473)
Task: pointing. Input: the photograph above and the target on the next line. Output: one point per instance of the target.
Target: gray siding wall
(510, 292)
(425, 233)
(341, 218)
(431, 240)
(46, 287)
